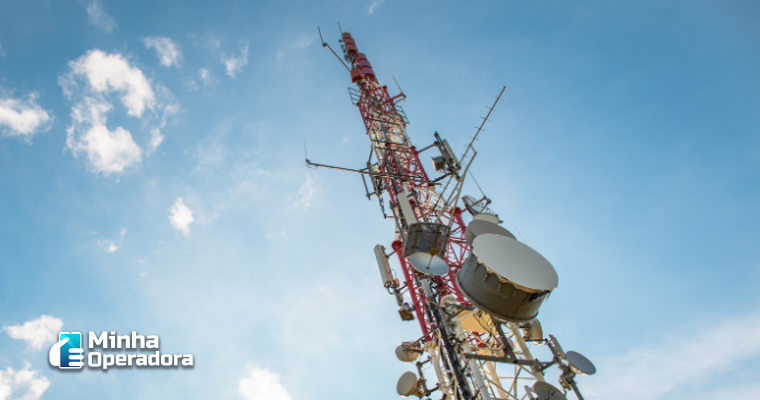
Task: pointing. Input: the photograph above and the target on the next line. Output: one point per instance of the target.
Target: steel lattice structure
(473, 354)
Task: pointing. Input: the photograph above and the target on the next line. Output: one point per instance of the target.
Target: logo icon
(67, 353)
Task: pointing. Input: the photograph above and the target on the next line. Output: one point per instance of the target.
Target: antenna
(314, 165)
(480, 128)
(477, 184)
(401, 92)
(455, 192)
(473, 288)
(325, 44)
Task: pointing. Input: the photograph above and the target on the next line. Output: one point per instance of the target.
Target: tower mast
(473, 288)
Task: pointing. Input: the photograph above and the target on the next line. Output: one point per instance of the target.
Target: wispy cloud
(319, 302)
(91, 81)
(2, 51)
(98, 16)
(291, 53)
(110, 246)
(305, 194)
(180, 216)
(156, 137)
(168, 52)
(24, 384)
(374, 5)
(207, 41)
(735, 391)
(37, 332)
(236, 171)
(262, 384)
(23, 118)
(205, 76)
(687, 356)
(276, 234)
(234, 64)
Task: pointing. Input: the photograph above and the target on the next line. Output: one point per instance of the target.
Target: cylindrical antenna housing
(406, 208)
(383, 266)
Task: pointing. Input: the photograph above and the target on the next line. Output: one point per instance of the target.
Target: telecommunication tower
(474, 289)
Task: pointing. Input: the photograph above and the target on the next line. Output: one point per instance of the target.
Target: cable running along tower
(472, 287)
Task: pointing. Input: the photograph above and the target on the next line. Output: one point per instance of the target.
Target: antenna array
(474, 290)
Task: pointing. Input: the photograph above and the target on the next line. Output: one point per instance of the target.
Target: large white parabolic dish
(515, 261)
(506, 278)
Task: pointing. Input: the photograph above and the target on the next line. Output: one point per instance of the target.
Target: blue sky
(151, 165)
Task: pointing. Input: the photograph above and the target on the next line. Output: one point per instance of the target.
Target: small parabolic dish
(404, 353)
(533, 330)
(547, 391)
(473, 205)
(579, 363)
(407, 384)
(428, 264)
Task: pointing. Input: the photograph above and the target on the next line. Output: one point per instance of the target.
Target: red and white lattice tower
(473, 288)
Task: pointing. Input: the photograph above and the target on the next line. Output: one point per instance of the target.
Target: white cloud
(92, 80)
(110, 246)
(305, 193)
(181, 216)
(107, 151)
(98, 16)
(168, 52)
(112, 73)
(262, 384)
(24, 384)
(680, 359)
(373, 6)
(22, 118)
(205, 76)
(37, 332)
(156, 138)
(233, 64)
